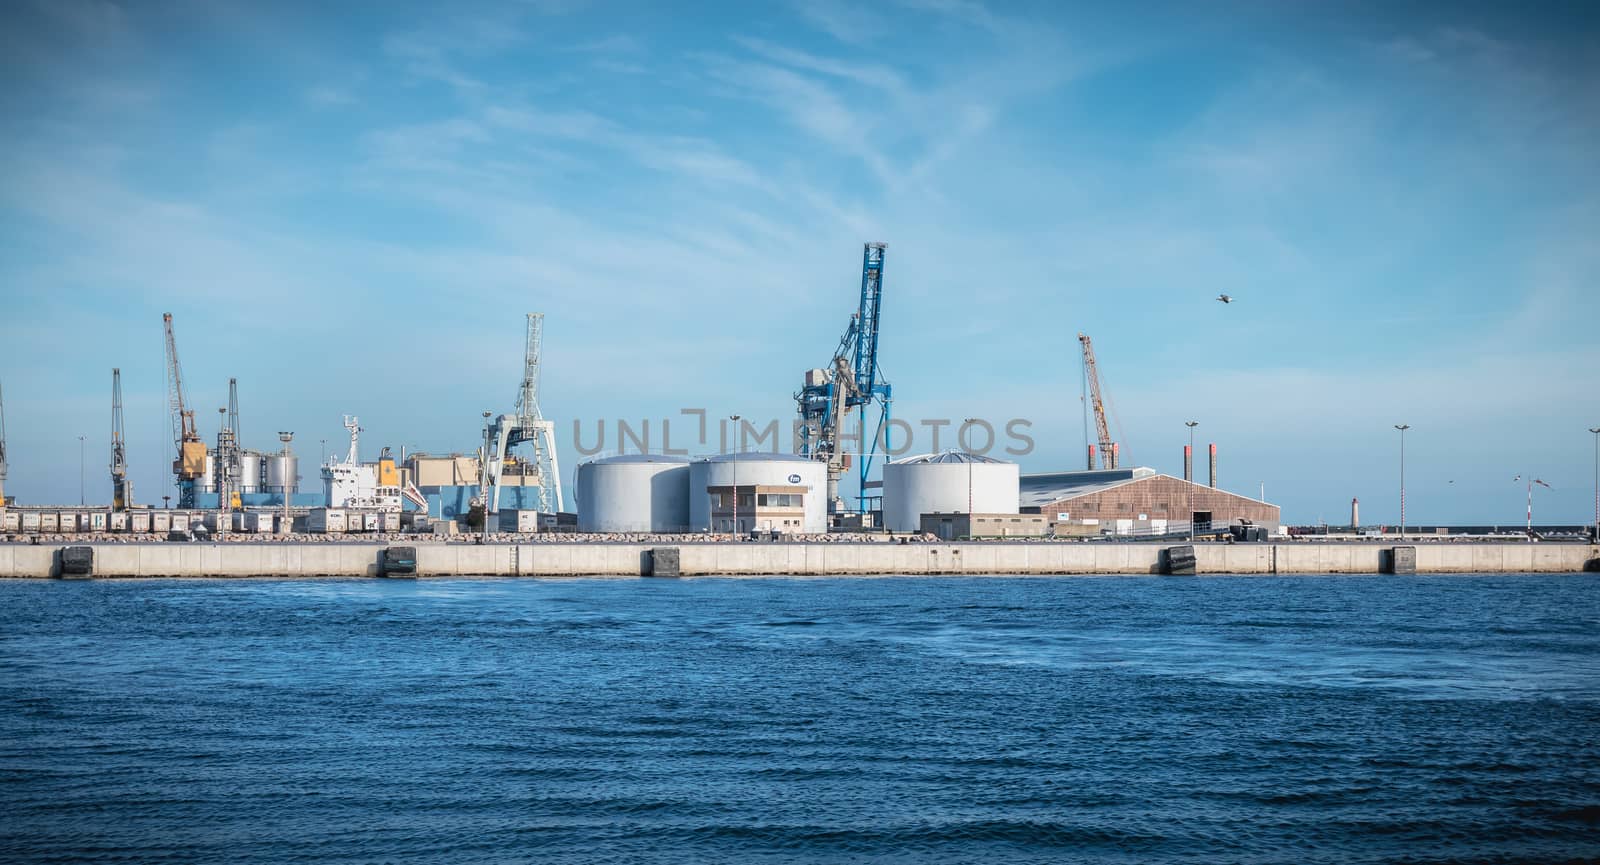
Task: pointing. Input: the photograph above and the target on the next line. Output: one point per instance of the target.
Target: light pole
(484, 475)
(1402, 427)
(81, 475)
(734, 458)
(1596, 431)
(966, 423)
(1531, 482)
(1189, 481)
(288, 518)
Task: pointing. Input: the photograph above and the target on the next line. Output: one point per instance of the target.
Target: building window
(1125, 507)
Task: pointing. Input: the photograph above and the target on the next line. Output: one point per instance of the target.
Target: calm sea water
(1149, 720)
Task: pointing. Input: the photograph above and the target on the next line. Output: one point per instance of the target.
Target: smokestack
(1116, 453)
(1091, 457)
(1188, 464)
(1355, 514)
(1213, 465)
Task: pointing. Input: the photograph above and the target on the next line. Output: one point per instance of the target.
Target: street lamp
(965, 423)
(1596, 431)
(1531, 482)
(483, 473)
(1189, 481)
(1402, 427)
(734, 458)
(81, 475)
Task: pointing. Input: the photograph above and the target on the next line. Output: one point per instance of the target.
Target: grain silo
(634, 493)
(776, 492)
(952, 482)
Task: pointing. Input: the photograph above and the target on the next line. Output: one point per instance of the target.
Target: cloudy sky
(351, 210)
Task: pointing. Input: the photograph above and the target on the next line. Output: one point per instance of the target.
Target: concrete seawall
(814, 559)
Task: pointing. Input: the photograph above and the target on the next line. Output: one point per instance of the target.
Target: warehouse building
(1136, 500)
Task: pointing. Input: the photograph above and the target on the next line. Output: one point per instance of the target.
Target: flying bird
(1225, 298)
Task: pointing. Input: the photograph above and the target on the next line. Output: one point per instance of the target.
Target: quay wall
(806, 559)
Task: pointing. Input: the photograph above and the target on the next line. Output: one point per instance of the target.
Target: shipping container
(117, 522)
(139, 522)
(161, 522)
(69, 522)
(97, 520)
(10, 521)
(30, 521)
(180, 522)
(327, 521)
(523, 522)
(49, 522)
(262, 522)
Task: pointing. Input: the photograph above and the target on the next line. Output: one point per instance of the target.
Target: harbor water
(1129, 719)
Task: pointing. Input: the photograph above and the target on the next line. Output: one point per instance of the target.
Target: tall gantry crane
(1108, 448)
(527, 426)
(853, 380)
(190, 464)
(121, 487)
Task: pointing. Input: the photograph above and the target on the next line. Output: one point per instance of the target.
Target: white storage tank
(250, 471)
(282, 473)
(779, 492)
(953, 482)
(634, 493)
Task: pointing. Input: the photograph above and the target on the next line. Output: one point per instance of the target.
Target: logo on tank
(794, 479)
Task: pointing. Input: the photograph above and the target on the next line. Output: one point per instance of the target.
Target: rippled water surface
(1344, 719)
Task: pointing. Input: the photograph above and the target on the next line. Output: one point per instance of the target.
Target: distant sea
(992, 720)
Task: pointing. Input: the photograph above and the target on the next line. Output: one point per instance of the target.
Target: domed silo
(778, 492)
(634, 493)
(952, 482)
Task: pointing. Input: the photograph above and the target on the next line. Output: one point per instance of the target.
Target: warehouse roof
(1036, 490)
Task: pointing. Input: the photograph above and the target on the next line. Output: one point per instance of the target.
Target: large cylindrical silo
(249, 479)
(951, 483)
(283, 473)
(634, 493)
(787, 493)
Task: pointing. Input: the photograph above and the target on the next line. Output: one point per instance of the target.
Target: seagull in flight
(1225, 298)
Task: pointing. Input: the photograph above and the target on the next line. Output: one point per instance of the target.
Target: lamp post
(288, 518)
(1402, 427)
(735, 460)
(965, 423)
(1596, 431)
(484, 475)
(1531, 481)
(1189, 481)
(80, 473)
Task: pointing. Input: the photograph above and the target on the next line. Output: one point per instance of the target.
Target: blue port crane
(852, 381)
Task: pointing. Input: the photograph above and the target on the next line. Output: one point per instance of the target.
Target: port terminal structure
(865, 559)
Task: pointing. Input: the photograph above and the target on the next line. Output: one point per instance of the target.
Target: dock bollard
(77, 562)
(1178, 561)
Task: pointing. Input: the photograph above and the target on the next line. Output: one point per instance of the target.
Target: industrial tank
(634, 493)
(953, 482)
(249, 479)
(283, 472)
(207, 483)
(783, 474)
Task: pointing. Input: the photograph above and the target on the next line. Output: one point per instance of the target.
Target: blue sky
(350, 211)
